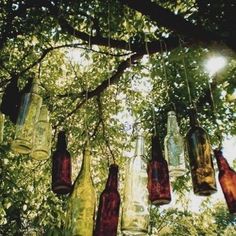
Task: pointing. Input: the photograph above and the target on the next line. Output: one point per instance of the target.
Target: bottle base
(62, 189)
(161, 202)
(18, 146)
(134, 231)
(39, 155)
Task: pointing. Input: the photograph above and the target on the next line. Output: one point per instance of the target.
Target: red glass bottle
(158, 176)
(227, 179)
(109, 205)
(61, 167)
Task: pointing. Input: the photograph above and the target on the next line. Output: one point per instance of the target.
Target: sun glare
(215, 64)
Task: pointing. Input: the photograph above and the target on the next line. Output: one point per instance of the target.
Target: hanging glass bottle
(174, 147)
(109, 205)
(11, 100)
(200, 158)
(2, 121)
(135, 212)
(43, 135)
(28, 115)
(227, 179)
(158, 176)
(82, 202)
(61, 167)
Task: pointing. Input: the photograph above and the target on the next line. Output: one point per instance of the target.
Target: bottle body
(174, 148)
(82, 202)
(135, 212)
(2, 121)
(200, 160)
(227, 179)
(27, 118)
(43, 135)
(158, 176)
(109, 205)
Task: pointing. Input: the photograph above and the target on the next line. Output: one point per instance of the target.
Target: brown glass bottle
(200, 158)
(227, 179)
(109, 205)
(158, 176)
(61, 167)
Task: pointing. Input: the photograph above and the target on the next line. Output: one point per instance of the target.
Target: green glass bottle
(28, 115)
(82, 202)
(43, 135)
(135, 210)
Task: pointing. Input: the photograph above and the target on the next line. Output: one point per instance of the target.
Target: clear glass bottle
(28, 116)
(61, 167)
(227, 179)
(158, 176)
(2, 121)
(200, 158)
(82, 202)
(43, 135)
(174, 148)
(109, 205)
(135, 210)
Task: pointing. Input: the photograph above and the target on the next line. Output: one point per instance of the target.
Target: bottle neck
(193, 118)
(172, 125)
(43, 116)
(139, 149)
(112, 181)
(157, 154)
(85, 168)
(35, 86)
(61, 141)
(221, 161)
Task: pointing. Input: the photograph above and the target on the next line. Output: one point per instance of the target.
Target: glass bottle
(43, 135)
(28, 116)
(158, 176)
(61, 167)
(227, 179)
(109, 205)
(11, 100)
(2, 121)
(135, 211)
(82, 202)
(174, 147)
(200, 158)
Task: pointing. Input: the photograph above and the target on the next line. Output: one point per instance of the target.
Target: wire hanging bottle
(174, 147)
(2, 121)
(200, 158)
(28, 115)
(109, 205)
(158, 176)
(43, 135)
(227, 179)
(61, 167)
(135, 212)
(80, 217)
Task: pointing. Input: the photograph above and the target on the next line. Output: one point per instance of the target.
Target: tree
(120, 43)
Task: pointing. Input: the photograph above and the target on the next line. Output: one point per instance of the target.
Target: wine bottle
(200, 158)
(109, 205)
(227, 179)
(174, 148)
(158, 176)
(28, 116)
(43, 135)
(135, 212)
(82, 202)
(61, 167)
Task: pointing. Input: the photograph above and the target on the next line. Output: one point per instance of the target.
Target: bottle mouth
(172, 113)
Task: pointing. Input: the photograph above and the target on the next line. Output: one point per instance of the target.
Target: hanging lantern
(135, 212)
(227, 179)
(200, 158)
(80, 217)
(28, 115)
(61, 167)
(43, 135)
(109, 204)
(174, 148)
(158, 176)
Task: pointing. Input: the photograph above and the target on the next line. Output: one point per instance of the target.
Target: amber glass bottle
(135, 209)
(158, 176)
(61, 167)
(109, 205)
(28, 116)
(227, 179)
(200, 158)
(82, 202)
